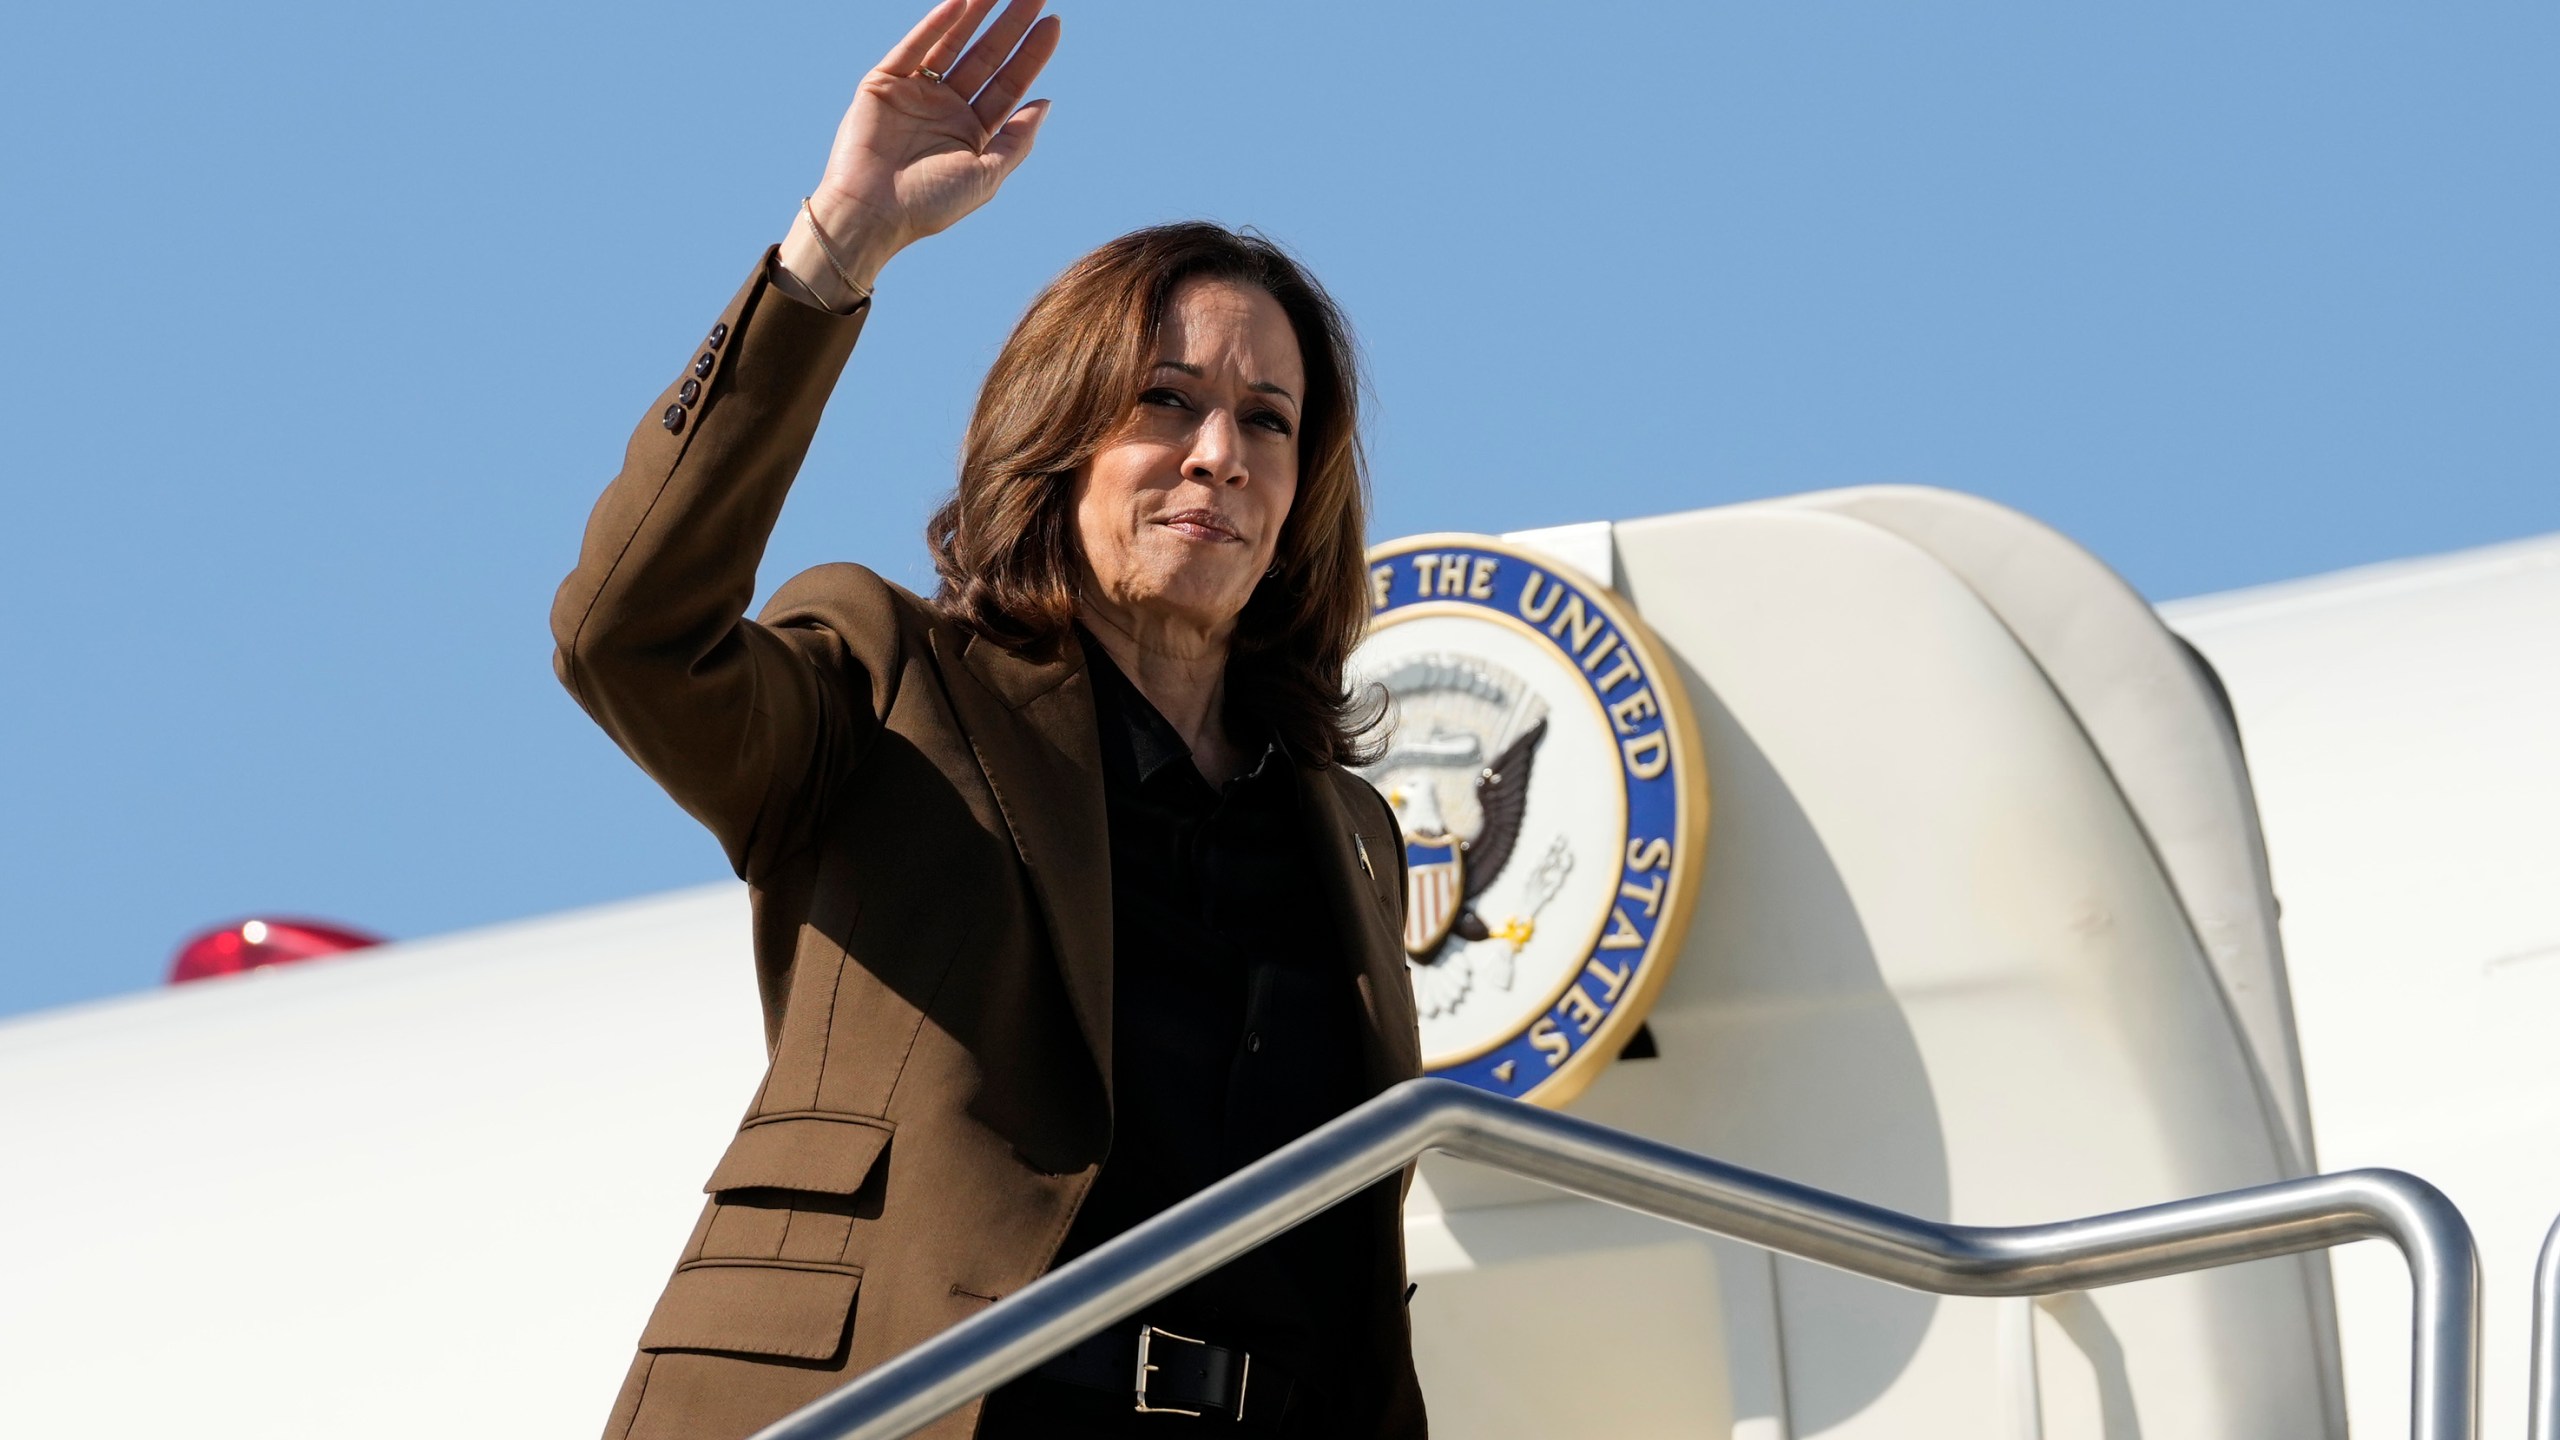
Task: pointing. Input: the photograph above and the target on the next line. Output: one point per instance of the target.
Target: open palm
(914, 153)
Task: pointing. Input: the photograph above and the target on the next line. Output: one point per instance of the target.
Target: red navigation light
(257, 944)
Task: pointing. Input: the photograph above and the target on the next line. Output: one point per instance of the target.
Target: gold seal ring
(930, 73)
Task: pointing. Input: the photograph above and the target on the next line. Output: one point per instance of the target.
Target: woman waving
(1065, 903)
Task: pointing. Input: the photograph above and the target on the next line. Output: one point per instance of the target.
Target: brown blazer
(919, 816)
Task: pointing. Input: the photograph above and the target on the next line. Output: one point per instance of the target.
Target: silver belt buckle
(1147, 1336)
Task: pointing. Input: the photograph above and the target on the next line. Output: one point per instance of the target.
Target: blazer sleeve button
(690, 392)
(702, 367)
(673, 419)
(718, 334)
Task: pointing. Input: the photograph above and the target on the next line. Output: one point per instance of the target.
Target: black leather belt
(1162, 1373)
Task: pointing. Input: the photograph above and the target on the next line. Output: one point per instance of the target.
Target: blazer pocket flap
(802, 1152)
(754, 1308)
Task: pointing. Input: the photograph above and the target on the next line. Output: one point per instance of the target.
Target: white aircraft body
(1987, 932)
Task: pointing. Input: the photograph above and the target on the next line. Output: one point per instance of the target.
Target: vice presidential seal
(1541, 761)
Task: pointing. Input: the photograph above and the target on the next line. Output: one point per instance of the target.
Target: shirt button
(718, 334)
(690, 391)
(1253, 1043)
(673, 419)
(702, 367)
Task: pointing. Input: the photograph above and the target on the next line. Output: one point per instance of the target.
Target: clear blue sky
(326, 324)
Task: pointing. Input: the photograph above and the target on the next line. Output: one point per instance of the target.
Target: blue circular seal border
(1556, 1054)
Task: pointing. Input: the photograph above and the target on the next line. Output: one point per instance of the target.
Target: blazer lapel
(1355, 851)
(1031, 724)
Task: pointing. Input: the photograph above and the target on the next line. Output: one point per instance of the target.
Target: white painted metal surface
(455, 1172)
(2158, 724)
(2403, 725)
(1938, 966)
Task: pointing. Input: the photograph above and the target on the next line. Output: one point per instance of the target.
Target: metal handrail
(2544, 1407)
(1119, 1278)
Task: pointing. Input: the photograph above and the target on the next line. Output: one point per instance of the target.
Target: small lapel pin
(1362, 846)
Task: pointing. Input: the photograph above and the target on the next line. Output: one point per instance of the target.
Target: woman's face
(1180, 513)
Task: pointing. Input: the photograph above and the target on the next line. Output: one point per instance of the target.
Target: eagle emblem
(1542, 766)
(1470, 865)
(1457, 772)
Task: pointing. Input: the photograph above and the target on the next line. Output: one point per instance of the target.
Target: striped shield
(1434, 871)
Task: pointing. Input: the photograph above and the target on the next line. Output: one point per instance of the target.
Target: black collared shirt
(1235, 1023)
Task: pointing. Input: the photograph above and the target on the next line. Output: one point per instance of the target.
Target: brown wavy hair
(1068, 380)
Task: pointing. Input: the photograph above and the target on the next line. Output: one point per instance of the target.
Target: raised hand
(915, 152)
